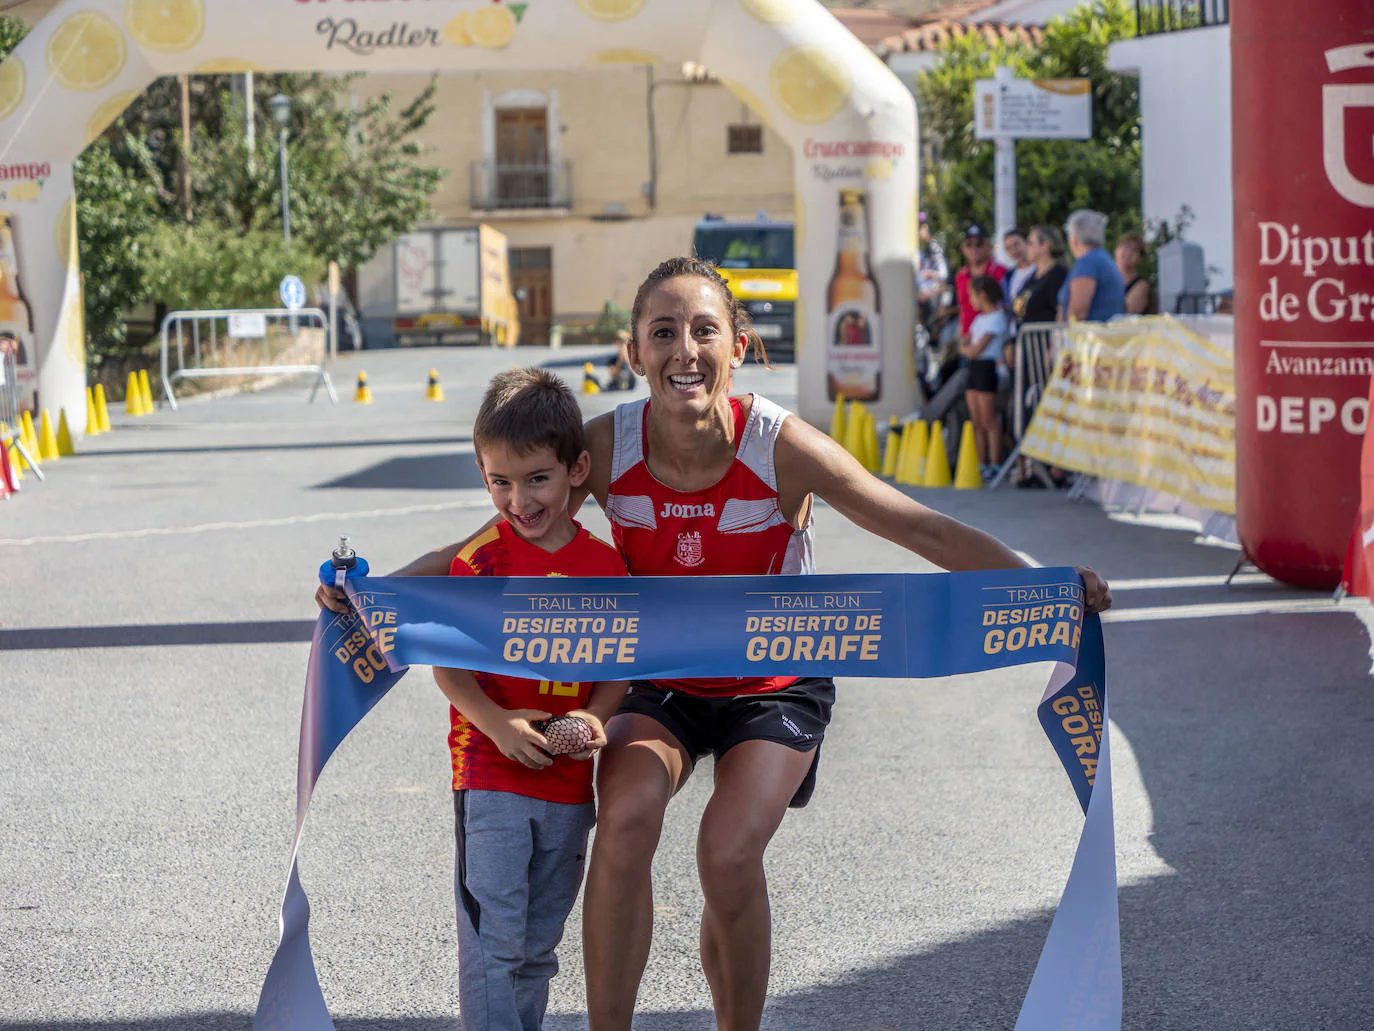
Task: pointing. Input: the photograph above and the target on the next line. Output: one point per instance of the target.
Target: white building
(1185, 127)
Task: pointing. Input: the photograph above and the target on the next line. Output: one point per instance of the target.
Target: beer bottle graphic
(853, 340)
(16, 317)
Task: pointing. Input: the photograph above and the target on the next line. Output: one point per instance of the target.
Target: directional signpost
(1007, 109)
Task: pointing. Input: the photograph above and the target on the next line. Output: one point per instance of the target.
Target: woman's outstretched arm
(808, 461)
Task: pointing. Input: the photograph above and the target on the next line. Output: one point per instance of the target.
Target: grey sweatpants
(518, 867)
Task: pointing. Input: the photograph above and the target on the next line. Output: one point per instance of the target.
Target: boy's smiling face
(531, 491)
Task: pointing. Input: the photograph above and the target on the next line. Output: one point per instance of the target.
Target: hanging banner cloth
(875, 625)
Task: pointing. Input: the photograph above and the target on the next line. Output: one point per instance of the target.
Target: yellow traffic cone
(837, 421)
(64, 435)
(967, 475)
(589, 383)
(47, 440)
(92, 423)
(102, 410)
(892, 451)
(17, 463)
(937, 459)
(133, 396)
(917, 440)
(146, 391)
(853, 433)
(871, 461)
(27, 436)
(363, 394)
(434, 392)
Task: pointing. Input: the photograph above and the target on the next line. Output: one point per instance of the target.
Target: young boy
(522, 815)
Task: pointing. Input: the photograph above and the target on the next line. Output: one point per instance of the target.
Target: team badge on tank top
(689, 551)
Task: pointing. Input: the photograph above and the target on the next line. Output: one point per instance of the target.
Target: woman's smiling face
(685, 344)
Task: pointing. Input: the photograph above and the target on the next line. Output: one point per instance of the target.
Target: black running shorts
(796, 717)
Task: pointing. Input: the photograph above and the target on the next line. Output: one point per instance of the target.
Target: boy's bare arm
(508, 729)
(604, 700)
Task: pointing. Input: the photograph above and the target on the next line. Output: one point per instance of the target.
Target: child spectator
(522, 816)
(982, 347)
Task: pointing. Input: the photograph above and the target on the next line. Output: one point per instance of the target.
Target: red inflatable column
(1302, 99)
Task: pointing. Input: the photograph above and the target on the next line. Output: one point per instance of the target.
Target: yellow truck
(757, 259)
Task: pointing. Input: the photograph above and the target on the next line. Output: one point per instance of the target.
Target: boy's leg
(560, 856)
(491, 881)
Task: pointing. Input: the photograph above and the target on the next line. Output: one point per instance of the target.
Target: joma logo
(687, 511)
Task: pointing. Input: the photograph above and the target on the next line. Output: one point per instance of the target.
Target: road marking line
(1151, 583)
(1233, 608)
(251, 524)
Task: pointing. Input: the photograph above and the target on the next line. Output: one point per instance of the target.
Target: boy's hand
(332, 598)
(517, 740)
(1097, 593)
(598, 740)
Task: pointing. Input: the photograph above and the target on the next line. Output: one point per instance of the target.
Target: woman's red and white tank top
(733, 527)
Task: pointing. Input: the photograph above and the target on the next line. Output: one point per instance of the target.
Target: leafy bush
(213, 267)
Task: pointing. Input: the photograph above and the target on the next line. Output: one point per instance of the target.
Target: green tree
(1053, 177)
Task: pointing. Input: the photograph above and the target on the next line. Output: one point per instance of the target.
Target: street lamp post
(281, 113)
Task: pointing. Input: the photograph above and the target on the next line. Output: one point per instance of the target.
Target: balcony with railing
(1156, 16)
(499, 187)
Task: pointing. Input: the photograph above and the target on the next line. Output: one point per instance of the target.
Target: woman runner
(695, 481)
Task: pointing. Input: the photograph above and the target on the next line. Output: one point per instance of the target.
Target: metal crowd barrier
(9, 410)
(1035, 349)
(212, 347)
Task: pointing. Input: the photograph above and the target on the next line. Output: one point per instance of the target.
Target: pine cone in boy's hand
(565, 734)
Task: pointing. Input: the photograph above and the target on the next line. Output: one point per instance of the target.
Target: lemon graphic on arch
(610, 10)
(773, 12)
(107, 112)
(25, 192)
(166, 25)
(65, 234)
(809, 84)
(456, 31)
(12, 83)
(227, 66)
(492, 27)
(748, 96)
(73, 328)
(86, 52)
(625, 55)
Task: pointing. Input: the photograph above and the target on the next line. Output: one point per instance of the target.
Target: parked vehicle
(441, 286)
(758, 260)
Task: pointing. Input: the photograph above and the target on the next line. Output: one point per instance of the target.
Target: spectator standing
(1014, 243)
(1038, 298)
(1094, 290)
(977, 251)
(982, 347)
(1130, 252)
(932, 270)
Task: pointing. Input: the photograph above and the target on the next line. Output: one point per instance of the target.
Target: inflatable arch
(851, 124)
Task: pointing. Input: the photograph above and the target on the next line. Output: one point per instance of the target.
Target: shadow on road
(153, 635)
(312, 445)
(455, 471)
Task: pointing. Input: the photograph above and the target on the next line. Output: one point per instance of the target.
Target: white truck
(441, 286)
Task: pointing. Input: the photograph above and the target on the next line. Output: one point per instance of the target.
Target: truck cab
(757, 259)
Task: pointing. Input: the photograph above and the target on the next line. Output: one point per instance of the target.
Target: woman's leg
(755, 781)
(640, 768)
(975, 417)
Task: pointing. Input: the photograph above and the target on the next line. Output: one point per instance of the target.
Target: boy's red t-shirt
(477, 762)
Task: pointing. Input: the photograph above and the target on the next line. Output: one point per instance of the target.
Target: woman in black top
(1038, 300)
(1130, 252)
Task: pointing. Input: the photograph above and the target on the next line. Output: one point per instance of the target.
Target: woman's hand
(598, 740)
(517, 740)
(333, 599)
(1097, 593)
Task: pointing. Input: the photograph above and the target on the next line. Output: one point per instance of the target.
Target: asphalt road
(154, 618)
